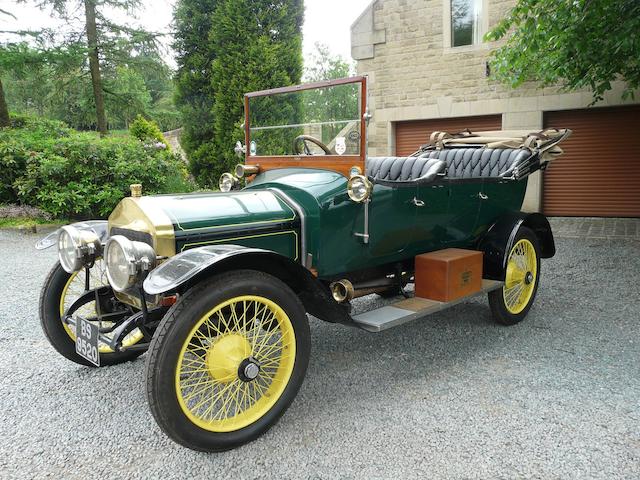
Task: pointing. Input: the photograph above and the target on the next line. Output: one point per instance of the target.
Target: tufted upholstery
(479, 162)
(460, 163)
(404, 169)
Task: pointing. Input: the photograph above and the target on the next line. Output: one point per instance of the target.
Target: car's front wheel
(511, 303)
(227, 360)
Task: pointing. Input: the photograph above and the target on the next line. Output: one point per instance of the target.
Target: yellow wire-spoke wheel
(75, 288)
(235, 363)
(520, 278)
(511, 303)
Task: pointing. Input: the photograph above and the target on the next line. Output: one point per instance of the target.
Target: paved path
(586, 227)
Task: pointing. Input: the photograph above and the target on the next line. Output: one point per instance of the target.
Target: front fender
(180, 269)
(99, 227)
(497, 242)
(189, 267)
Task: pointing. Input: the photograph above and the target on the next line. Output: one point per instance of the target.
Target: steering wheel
(307, 151)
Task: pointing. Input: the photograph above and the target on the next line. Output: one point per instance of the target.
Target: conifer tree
(194, 91)
(105, 40)
(258, 45)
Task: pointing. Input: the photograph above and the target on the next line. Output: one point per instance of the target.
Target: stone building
(427, 66)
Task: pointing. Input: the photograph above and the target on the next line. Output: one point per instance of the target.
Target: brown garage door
(410, 135)
(599, 173)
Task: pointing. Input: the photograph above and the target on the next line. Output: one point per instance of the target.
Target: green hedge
(73, 174)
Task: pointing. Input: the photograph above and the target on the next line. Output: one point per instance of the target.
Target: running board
(409, 309)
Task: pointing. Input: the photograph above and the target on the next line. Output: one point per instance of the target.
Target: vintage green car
(217, 286)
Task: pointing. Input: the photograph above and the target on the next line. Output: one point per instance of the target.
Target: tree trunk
(4, 111)
(94, 64)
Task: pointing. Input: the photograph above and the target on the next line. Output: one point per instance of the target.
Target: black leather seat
(404, 169)
(457, 162)
(479, 162)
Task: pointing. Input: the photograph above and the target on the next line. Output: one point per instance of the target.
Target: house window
(466, 22)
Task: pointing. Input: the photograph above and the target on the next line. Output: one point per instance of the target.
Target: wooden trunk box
(449, 274)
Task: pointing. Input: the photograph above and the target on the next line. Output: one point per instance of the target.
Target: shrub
(79, 175)
(146, 131)
(166, 119)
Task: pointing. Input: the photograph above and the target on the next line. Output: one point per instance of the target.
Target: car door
(392, 216)
(431, 230)
(464, 207)
(499, 197)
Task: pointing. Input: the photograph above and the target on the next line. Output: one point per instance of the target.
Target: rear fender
(499, 239)
(188, 268)
(99, 227)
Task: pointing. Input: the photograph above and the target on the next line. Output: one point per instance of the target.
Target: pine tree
(258, 45)
(106, 40)
(4, 110)
(194, 90)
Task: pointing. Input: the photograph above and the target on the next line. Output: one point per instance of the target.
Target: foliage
(334, 103)
(323, 65)
(258, 45)
(194, 91)
(129, 96)
(146, 130)
(577, 43)
(225, 49)
(164, 113)
(14, 153)
(131, 69)
(54, 83)
(16, 59)
(72, 174)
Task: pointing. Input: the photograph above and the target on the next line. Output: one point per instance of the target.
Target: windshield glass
(317, 121)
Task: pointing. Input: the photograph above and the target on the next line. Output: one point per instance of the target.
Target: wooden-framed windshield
(332, 112)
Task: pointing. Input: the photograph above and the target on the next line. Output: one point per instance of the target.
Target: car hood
(168, 218)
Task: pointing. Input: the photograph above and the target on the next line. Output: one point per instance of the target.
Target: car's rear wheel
(511, 303)
(227, 360)
(59, 292)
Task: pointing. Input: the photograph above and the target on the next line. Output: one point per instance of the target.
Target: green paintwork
(204, 211)
(249, 218)
(285, 243)
(453, 215)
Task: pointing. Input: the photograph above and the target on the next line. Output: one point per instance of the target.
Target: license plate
(87, 341)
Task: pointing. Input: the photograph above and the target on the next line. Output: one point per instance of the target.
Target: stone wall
(404, 48)
(173, 139)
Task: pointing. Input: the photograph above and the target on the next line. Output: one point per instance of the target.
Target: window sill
(466, 48)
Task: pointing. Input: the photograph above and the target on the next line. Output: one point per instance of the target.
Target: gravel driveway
(451, 396)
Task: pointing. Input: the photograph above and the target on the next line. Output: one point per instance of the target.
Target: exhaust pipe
(344, 291)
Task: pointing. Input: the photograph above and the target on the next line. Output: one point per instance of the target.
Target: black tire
(172, 333)
(501, 313)
(54, 329)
